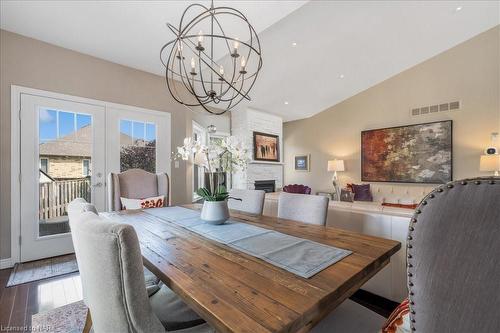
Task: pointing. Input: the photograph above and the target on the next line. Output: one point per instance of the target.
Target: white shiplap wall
(243, 124)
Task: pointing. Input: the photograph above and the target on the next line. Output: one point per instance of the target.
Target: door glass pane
(137, 145)
(65, 155)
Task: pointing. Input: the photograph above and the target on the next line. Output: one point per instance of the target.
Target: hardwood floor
(19, 303)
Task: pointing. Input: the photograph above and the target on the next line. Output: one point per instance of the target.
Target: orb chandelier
(208, 66)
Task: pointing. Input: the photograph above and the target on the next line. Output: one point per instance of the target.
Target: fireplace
(266, 185)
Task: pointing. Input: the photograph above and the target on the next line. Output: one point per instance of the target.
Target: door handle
(97, 185)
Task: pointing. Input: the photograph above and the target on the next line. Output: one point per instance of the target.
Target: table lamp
(490, 163)
(334, 166)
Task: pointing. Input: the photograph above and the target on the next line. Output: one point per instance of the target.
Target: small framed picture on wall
(302, 162)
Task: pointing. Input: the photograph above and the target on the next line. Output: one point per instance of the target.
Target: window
(86, 168)
(199, 134)
(137, 145)
(44, 165)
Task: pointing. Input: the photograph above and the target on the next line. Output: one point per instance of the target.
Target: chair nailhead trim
(412, 228)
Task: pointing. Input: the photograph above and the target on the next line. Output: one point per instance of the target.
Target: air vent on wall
(436, 108)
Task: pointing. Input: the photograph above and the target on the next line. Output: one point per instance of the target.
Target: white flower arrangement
(223, 155)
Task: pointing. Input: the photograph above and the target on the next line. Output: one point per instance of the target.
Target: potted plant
(221, 156)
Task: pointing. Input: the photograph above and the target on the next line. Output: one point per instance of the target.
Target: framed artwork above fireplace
(419, 153)
(266, 147)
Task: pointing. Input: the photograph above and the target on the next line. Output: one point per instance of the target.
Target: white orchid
(224, 155)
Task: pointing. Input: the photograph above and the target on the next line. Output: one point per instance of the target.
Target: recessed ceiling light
(294, 44)
(341, 76)
(286, 102)
(459, 8)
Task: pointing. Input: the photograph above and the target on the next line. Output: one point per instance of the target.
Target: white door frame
(15, 152)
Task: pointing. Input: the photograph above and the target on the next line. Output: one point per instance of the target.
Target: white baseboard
(6, 263)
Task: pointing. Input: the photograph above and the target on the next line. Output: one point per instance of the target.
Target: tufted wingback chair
(136, 184)
(453, 258)
(297, 188)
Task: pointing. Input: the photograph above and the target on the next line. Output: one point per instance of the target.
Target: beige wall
(468, 72)
(31, 63)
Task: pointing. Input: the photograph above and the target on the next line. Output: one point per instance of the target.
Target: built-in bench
(372, 218)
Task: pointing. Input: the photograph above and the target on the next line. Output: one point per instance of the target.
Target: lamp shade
(489, 163)
(336, 165)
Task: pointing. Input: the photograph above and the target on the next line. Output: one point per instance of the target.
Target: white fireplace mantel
(243, 124)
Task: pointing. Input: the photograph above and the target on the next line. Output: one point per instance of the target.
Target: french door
(66, 150)
(62, 158)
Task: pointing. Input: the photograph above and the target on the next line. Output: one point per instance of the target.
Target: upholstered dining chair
(136, 184)
(297, 188)
(110, 260)
(79, 206)
(251, 201)
(452, 259)
(312, 209)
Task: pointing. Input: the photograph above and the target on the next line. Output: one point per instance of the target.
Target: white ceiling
(365, 41)
(130, 33)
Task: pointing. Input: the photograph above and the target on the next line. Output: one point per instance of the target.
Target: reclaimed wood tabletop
(235, 292)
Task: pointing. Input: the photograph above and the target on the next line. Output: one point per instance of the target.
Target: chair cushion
(173, 313)
(152, 282)
(350, 317)
(152, 202)
(399, 320)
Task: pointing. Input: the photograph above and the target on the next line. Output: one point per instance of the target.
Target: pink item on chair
(297, 188)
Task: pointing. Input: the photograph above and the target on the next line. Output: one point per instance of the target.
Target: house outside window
(86, 168)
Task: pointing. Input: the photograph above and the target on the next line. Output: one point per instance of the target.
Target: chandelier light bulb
(193, 64)
(236, 44)
(243, 62)
(200, 37)
(221, 70)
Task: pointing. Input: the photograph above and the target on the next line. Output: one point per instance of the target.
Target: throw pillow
(152, 202)
(399, 320)
(362, 192)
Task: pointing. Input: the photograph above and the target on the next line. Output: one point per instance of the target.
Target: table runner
(302, 257)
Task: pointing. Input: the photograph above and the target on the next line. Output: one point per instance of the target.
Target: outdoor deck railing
(55, 196)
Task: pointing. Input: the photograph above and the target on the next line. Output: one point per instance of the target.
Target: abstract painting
(266, 147)
(408, 154)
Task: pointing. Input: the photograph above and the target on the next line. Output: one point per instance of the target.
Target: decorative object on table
(408, 154)
(218, 158)
(490, 163)
(362, 192)
(492, 149)
(297, 188)
(335, 166)
(302, 162)
(215, 210)
(266, 147)
(346, 195)
(207, 65)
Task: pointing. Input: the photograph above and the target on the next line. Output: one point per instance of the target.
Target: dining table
(236, 292)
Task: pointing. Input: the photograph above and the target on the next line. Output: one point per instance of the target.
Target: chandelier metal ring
(194, 76)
